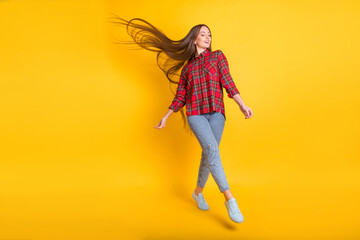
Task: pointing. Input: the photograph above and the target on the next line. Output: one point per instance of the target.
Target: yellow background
(80, 158)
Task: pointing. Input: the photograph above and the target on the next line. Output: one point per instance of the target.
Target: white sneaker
(200, 201)
(234, 211)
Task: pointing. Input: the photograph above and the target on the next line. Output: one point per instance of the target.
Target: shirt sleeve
(180, 96)
(225, 76)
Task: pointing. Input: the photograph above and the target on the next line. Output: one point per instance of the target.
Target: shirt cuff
(233, 92)
(172, 107)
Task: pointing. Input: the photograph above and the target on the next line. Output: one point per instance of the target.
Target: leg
(228, 195)
(200, 126)
(217, 123)
(206, 138)
(203, 174)
(198, 189)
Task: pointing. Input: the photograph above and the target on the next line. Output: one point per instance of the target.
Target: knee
(211, 149)
(207, 149)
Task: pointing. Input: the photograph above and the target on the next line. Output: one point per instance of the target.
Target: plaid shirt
(201, 82)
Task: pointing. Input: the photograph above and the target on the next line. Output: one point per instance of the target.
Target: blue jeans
(208, 129)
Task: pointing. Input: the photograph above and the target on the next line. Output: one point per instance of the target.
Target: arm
(225, 76)
(167, 115)
(178, 101)
(229, 85)
(180, 96)
(244, 109)
(239, 100)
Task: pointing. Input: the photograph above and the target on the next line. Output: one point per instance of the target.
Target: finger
(247, 114)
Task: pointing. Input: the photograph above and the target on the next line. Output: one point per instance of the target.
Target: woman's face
(203, 39)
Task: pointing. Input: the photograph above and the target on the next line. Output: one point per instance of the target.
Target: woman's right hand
(161, 124)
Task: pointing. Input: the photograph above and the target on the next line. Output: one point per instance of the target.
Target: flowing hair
(175, 52)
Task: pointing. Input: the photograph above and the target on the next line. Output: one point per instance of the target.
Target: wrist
(241, 104)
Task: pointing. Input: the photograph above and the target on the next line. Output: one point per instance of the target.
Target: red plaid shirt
(201, 82)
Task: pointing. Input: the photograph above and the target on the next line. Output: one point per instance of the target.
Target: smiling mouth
(207, 42)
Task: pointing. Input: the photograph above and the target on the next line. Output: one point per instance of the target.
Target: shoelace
(202, 200)
(234, 208)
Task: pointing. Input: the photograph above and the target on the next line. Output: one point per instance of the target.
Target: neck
(199, 51)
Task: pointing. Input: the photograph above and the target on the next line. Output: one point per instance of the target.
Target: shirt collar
(202, 53)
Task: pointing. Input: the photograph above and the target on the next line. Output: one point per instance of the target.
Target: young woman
(203, 75)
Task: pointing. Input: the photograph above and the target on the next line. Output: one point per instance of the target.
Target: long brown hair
(175, 52)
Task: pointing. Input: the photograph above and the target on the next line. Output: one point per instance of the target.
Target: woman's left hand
(246, 111)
